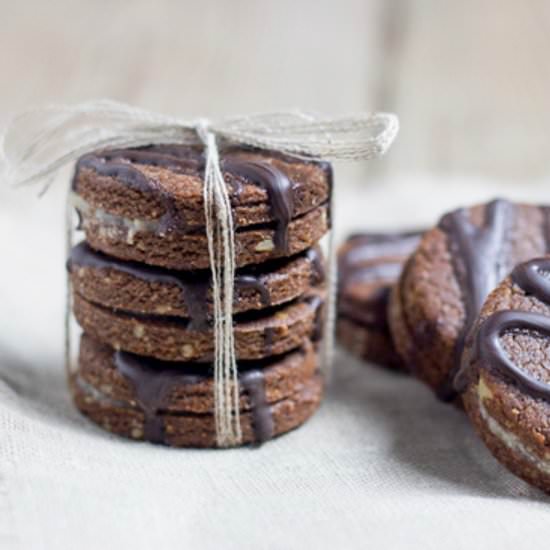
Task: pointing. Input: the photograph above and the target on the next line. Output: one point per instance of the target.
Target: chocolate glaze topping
(529, 277)
(478, 264)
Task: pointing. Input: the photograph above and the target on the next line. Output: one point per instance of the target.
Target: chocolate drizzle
(194, 288)
(123, 165)
(279, 191)
(152, 388)
(375, 256)
(195, 296)
(377, 259)
(317, 267)
(529, 277)
(253, 383)
(255, 282)
(477, 260)
(316, 302)
(154, 380)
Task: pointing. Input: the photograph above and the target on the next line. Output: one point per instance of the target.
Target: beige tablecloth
(382, 465)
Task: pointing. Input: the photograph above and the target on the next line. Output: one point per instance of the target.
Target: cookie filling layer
(111, 224)
(512, 441)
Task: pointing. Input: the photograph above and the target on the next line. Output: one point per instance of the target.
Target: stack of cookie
(142, 291)
(470, 317)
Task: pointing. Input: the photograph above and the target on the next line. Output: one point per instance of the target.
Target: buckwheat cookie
(173, 404)
(505, 372)
(146, 204)
(143, 289)
(446, 280)
(259, 334)
(369, 264)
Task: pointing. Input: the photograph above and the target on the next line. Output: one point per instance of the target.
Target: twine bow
(39, 142)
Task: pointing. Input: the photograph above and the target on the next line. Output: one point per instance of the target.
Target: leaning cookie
(505, 376)
(445, 282)
(146, 205)
(368, 265)
(173, 404)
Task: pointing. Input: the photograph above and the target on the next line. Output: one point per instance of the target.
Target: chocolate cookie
(369, 264)
(505, 375)
(445, 282)
(269, 332)
(147, 205)
(172, 403)
(143, 289)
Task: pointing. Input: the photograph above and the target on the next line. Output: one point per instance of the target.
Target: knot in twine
(39, 142)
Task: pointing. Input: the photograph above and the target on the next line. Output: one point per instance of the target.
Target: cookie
(369, 264)
(505, 376)
(147, 290)
(257, 335)
(172, 404)
(191, 384)
(445, 282)
(146, 204)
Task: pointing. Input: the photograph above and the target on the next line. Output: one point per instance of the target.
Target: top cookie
(445, 282)
(147, 205)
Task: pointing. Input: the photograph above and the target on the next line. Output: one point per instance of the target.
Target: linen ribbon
(39, 142)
